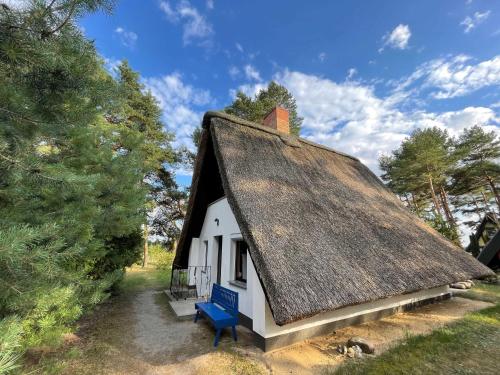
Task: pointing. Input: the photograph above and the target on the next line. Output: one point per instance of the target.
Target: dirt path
(155, 331)
(139, 334)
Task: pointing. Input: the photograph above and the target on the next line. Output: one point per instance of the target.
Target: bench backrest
(226, 298)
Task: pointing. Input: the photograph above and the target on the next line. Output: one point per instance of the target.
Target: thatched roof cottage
(309, 237)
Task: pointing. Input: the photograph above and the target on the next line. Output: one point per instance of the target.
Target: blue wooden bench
(221, 311)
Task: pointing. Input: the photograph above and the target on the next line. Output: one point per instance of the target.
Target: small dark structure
(490, 255)
(485, 231)
(485, 242)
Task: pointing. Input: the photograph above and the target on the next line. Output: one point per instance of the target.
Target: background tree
(418, 171)
(170, 208)
(142, 115)
(477, 174)
(255, 109)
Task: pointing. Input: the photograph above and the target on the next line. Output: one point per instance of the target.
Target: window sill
(239, 284)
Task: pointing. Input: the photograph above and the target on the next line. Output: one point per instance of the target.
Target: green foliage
(75, 149)
(141, 115)
(10, 337)
(255, 109)
(443, 227)
(161, 257)
(438, 176)
(418, 171)
(477, 177)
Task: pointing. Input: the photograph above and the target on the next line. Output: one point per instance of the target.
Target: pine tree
(418, 171)
(71, 200)
(478, 170)
(142, 115)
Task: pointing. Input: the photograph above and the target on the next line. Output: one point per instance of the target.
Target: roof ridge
(226, 116)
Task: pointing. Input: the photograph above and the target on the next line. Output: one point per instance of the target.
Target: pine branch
(37, 172)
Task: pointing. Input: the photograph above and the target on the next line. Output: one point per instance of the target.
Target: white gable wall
(251, 300)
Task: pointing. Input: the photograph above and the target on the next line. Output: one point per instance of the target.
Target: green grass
(484, 292)
(138, 279)
(469, 346)
(154, 276)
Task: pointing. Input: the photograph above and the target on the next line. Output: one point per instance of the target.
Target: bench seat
(221, 311)
(219, 317)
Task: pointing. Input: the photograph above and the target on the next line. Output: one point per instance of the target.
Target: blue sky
(364, 73)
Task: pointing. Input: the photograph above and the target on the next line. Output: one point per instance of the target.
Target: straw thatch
(323, 231)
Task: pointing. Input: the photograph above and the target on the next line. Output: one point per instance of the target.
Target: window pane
(240, 266)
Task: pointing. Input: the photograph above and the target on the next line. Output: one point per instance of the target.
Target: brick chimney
(278, 120)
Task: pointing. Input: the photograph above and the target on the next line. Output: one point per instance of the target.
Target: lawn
(469, 346)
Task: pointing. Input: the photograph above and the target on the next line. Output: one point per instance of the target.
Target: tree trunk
(417, 209)
(486, 204)
(494, 191)
(437, 208)
(145, 255)
(446, 207)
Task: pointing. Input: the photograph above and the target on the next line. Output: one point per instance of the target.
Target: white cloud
(251, 73)
(127, 38)
(181, 104)
(210, 4)
(477, 18)
(195, 25)
(350, 117)
(450, 77)
(351, 73)
(322, 56)
(234, 72)
(248, 89)
(398, 38)
(456, 121)
(455, 78)
(239, 47)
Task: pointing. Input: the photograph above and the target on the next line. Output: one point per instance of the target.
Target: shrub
(161, 257)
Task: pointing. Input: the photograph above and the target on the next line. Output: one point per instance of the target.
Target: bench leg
(233, 329)
(217, 337)
(197, 316)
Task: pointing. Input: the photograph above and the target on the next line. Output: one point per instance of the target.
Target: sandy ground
(141, 335)
(311, 356)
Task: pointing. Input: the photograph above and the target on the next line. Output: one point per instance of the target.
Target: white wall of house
(252, 300)
(228, 228)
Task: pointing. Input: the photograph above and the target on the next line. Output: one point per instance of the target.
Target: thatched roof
(323, 231)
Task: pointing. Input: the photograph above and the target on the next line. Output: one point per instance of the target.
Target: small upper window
(240, 266)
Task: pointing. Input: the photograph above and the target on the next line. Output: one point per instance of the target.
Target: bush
(161, 257)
